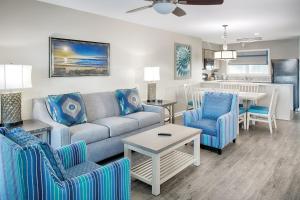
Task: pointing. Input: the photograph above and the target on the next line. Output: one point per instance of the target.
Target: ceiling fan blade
(179, 12)
(139, 9)
(201, 2)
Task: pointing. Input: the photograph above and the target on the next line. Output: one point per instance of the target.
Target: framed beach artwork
(70, 58)
(183, 61)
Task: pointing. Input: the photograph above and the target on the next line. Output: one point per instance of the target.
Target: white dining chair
(197, 94)
(187, 95)
(243, 117)
(249, 87)
(263, 113)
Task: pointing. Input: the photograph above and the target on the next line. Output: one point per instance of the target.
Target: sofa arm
(106, 183)
(60, 134)
(227, 126)
(73, 154)
(192, 115)
(156, 109)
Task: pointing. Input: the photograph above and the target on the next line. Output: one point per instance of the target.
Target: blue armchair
(217, 117)
(27, 174)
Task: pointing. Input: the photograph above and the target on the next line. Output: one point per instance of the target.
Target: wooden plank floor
(258, 166)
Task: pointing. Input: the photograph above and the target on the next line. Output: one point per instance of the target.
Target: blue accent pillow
(3, 130)
(67, 109)
(25, 139)
(216, 104)
(129, 101)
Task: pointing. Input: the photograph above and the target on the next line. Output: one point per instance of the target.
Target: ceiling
(272, 19)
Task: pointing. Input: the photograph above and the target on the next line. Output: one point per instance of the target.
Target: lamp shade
(15, 77)
(226, 55)
(151, 74)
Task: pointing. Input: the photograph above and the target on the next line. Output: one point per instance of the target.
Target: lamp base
(151, 92)
(11, 109)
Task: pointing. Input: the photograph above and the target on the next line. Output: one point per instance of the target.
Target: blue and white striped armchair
(217, 117)
(27, 174)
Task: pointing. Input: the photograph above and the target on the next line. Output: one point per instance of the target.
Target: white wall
(26, 26)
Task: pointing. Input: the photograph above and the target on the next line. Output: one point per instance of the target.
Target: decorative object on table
(165, 7)
(225, 54)
(169, 105)
(151, 75)
(36, 128)
(78, 58)
(129, 101)
(217, 118)
(67, 109)
(183, 61)
(13, 78)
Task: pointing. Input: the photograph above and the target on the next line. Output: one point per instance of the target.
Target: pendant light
(225, 54)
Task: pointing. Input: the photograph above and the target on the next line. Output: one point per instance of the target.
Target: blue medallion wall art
(183, 61)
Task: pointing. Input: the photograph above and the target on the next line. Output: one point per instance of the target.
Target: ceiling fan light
(164, 7)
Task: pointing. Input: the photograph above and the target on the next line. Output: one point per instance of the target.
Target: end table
(36, 128)
(167, 104)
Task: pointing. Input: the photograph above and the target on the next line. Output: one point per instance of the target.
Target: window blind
(257, 57)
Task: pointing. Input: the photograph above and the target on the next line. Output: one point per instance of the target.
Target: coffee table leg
(127, 152)
(156, 175)
(197, 151)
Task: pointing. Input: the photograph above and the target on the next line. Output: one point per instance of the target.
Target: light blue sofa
(105, 127)
(26, 174)
(218, 119)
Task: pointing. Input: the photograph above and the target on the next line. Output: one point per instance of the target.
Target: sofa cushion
(145, 118)
(129, 101)
(101, 105)
(208, 126)
(216, 104)
(67, 109)
(88, 132)
(118, 125)
(81, 169)
(25, 139)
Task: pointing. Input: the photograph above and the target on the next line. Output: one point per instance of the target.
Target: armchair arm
(109, 182)
(227, 128)
(156, 109)
(192, 115)
(60, 134)
(73, 154)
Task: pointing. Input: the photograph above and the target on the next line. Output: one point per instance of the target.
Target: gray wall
(279, 49)
(26, 25)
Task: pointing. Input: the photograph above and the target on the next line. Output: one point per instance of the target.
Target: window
(248, 69)
(250, 62)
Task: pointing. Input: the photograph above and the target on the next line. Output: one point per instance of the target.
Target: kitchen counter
(284, 109)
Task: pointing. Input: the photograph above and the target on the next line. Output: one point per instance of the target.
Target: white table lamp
(151, 75)
(13, 78)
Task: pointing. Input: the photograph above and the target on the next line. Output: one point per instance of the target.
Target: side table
(36, 128)
(167, 104)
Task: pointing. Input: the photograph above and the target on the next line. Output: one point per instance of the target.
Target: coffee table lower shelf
(170, 165)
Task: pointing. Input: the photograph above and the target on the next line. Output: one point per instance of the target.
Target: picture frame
(75, 58)
(183, 61)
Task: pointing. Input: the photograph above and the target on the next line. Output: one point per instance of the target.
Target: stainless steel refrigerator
(286, 71)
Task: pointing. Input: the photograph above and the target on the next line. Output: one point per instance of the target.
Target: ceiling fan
(170, 6)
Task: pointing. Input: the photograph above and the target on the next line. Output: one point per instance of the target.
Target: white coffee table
(165, 161)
